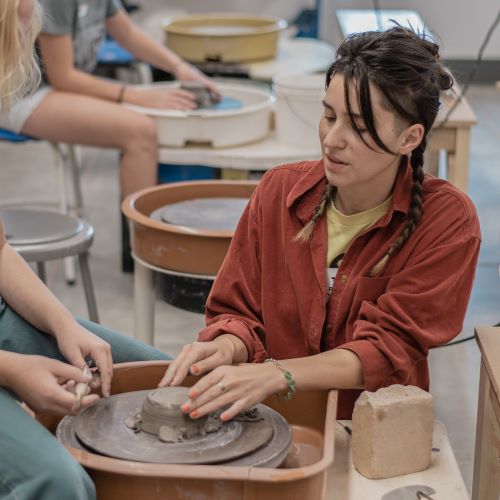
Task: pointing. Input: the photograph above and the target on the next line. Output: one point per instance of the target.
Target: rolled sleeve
(238, 328)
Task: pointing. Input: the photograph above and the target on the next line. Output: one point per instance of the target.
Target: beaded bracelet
(289, 380)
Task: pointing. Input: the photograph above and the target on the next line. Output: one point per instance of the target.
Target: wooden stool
(41, 235)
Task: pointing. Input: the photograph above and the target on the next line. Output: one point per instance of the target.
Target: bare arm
(36, 304)
(141, 45)
(57, 55)
(28, 296)
(335, 369)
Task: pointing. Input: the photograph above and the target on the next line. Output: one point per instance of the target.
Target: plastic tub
(226, 38)
(178, 248)
(218, 128)
(312, 417)
(299, 108)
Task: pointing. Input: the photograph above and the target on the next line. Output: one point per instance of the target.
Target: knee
(63, 477)
(142, 134)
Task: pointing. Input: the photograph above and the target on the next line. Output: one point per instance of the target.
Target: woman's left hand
(77, 343)
(240, 386)
(188, 73)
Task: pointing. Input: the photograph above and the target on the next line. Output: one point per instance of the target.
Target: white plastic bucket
(299, 108)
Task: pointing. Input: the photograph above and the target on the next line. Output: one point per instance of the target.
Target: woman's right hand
(178, 99)
(39, 381)
(201, 357)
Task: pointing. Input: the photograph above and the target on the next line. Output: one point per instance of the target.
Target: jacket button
(343, 279)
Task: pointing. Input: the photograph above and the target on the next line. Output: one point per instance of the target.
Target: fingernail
(194, 414)
(193, 394)
(195, 370)
(185, 407)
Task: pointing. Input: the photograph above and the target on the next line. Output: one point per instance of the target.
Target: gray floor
(26, 175)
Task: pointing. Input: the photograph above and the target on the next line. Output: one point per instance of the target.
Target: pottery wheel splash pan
(175, 247)
(243, 116)
(101, 428)
(210, 213)
(226, 38)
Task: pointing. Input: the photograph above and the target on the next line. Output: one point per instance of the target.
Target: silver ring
(221, 386)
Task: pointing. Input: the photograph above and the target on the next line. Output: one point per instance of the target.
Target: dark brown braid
(404, 66)
(305, 233)
(415, 211)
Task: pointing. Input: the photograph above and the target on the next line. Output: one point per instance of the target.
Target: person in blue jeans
(43, 348)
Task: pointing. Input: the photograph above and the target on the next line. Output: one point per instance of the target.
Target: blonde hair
(19, 70)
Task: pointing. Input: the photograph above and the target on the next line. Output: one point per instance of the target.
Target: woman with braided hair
(350, 268)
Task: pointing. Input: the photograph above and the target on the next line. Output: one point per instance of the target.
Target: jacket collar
(309, 190)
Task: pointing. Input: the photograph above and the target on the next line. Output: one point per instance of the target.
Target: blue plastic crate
(177, 173)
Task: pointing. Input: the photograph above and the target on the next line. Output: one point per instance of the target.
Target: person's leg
(78, 119)
(33, 464)
(124, 348)
(17, 335)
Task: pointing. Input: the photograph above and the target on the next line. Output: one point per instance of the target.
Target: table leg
(458, 163)
(431, 162)
(144, 303)
(486, 481)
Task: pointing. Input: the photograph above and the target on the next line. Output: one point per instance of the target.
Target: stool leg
(40, 269)
(64, 207)
(74, 172)
(88, 287)
(144, 303)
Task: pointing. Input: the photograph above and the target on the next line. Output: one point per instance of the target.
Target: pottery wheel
(207, 213)
(101, 428)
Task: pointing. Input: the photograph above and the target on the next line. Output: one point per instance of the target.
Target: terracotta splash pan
(311, 415)
(226, 38)
(178, 248)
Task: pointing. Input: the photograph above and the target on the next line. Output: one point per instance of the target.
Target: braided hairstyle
(404, 66)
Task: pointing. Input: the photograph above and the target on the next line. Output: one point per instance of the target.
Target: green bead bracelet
(289, 380)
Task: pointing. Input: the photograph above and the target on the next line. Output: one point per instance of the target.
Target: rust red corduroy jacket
(271, 291)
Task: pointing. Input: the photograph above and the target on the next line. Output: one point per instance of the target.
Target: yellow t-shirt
(343, 229)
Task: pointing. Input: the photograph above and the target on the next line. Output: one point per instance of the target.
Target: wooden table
(486, 482)
(344, 482)
(454, 138)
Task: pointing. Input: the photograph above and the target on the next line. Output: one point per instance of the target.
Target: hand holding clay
(185, 72)
(177, 99)
(240, 387)
(201, 357)
(39, 382)
(77, 343)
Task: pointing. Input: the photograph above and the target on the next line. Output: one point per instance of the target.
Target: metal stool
(68, 173)
(40, 235)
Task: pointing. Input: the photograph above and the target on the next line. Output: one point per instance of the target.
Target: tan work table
(486, 482)
(346, 483)
(454, 138)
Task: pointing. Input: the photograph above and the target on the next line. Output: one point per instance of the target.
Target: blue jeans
(33, 464)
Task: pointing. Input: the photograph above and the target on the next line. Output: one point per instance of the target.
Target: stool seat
(40, 235)
(26, 226)
(9, 136)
